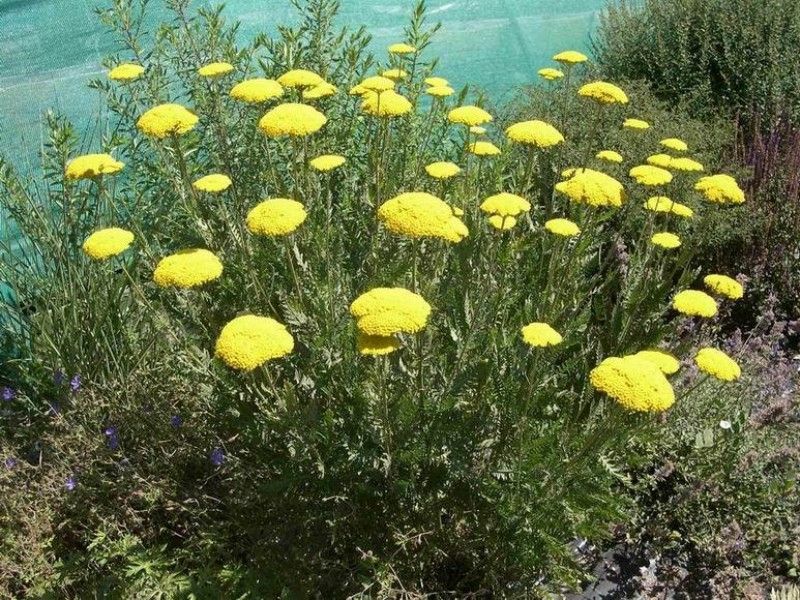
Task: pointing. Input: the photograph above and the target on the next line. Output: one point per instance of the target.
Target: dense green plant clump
(307, 323)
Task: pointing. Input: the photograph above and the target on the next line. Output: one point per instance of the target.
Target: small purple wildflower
(70, 483)
(58, 377)
(10, 462)
(113, 438)
(217, 457)
(176, 421)
(8, 394)
(75, 383)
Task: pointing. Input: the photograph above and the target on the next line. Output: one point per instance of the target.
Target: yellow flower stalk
(187, 269)
(249, 341)
(388, 311)
(89, 166)
(637, 384)
(276, 217)
(540, 335)
(256, 91)
(293, 120)
(105, 243)
(167, 119)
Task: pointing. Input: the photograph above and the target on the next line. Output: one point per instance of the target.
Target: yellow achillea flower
(376, 345)
(276, 216)
(667, 363)
(442, 170)
(292, 119)
(166, 119)
(535, 133)
(636, 383)
(440, 91)
(126, 72)
(106, 243)
(376, 83)
(675, 144)
(540, 335)
(395, 74)
(401, 48)
(418, 214)
(593, 188)
(256, 91)
(550, 74)
(667, 240)
(484, 149)
(92, 165)
(469, 116)
(695, 303)
(562, 227)
(610, 156)
(386, 104)
(389, 311)
(216, 69)
(215, 182)
(436, 81)
(650, 175)
(327, 162)
(603, 92)
(717, 364)
(187, 268)
(570, 57)
(720, 188)
(249, 341)
(665, 205)
(477, 130)
(323, 90)
(636, 124)
(685, 164)
(505, 205)
(660, 160)
(300, 78)
(358, 90)
(502, 223)
(724, 285)
(459, 212)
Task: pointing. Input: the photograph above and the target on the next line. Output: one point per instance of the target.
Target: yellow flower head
(469, 116)
(603, 92)
(505, 205)
(609, 156)
(418, 214)
(106, 243)
(535, 133)
(388, 311)
(550, 74)
(593, 188)
(442, 170)
(675, 144)
(665, 205)
(636, 124)
(686, 164)
(717, 364)
(166, 119)
(660, 160)
(217, 182)
(650, 175)
(540, 335)
(256, 91)
(92, 165)
(386, 104)
(276, 216)
(459, 212)
(720, 188)
(562, 227)
(483, 148)
(502, 223)
(126, 72)
(724, 286)
(377, 345)
(436, 81)
(187, 268)
(323, 90)
(376, 83)
(249, 341)
(402, 48)
(395, 74)
(667, 240)
(695, 303)
(300, 78)
(358, 90)
(216, 69)
(292, 119)
(477, 130)
(327, 162)
(570, 57)
(440, 91)
(636, 383)
(667, 363)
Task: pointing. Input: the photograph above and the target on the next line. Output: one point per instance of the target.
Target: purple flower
(8, 394)
(217, 457)
(70, 483)
(11, 462)
(58, 377)
(75, 383)
(113, 438)
(176, 421)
